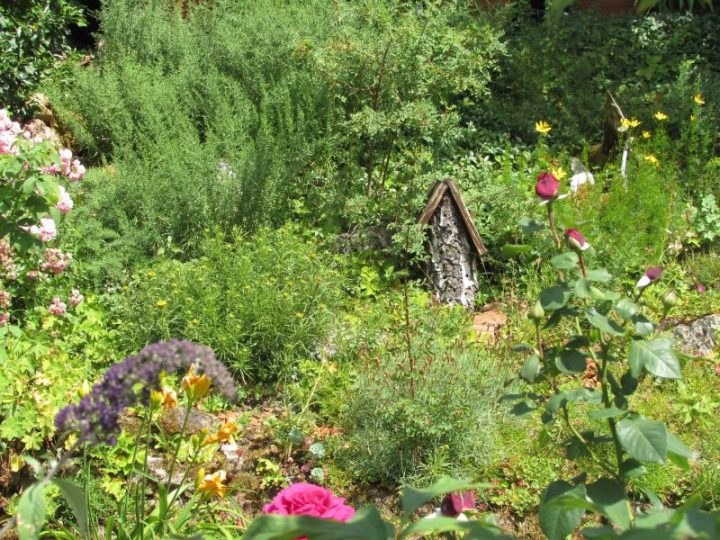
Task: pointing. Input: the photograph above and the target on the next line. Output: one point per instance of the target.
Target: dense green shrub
(261, 304)
(434, 412)
(560, 70)
(33, 38)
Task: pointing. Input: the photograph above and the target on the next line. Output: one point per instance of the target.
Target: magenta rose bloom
(454, 504)
(650, 276)
(576, 239)
(310, 500)
(547, 187)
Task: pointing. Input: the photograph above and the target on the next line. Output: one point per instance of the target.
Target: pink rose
(576, 239)
(57, 307)
(65, 203)
(547, 187)
(455, 503)
(76, 171)
(650, 276)
(46, 231)
(304, 499)
(4, 318)
(76, 298)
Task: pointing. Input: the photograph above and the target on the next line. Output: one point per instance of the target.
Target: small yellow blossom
(630, 122)
(661, 116)
(699, 99)
(650, 158)
(161, 304)
(169, 398)
(693, 118)
(299, 315)
(645, 134)
(223, 434)
(558, 172)
(150, 274)
(196, 386)
(84, 389)
(542, 127)
(213, 484)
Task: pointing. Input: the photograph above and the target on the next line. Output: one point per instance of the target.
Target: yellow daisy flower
(661, 116)
(542, 127)
(213, 484)
(699, 99)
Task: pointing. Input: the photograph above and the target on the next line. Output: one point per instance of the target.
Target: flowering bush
(32, 201)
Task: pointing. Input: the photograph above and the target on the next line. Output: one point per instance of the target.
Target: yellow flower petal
(699, 99)
(542, 127)
(661, 116)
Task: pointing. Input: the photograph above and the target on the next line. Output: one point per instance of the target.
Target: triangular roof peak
(439, 191)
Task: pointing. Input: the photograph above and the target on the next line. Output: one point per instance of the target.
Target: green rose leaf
(655, 356)
(571, 361)
(530, 225)
(513, 250)
(600, 321)
(531, 369)
(644, 440)
(555, 297)
(626, 309)
(610, 499)
(632, 468)
(565, 261)
(601, 275)
(643, 325)
(413, 498)
(558, 521)
(31, 512)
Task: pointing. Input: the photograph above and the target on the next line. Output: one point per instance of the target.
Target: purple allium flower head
(131, 382)
(650, 276)
(453, 504)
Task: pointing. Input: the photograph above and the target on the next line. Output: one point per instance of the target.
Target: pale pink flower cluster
(55, 261)
(72, 168)
(4, 318)
(9, 131)
(65, 202)
(37, 138)
(5, 299)
(76, 298)
(57, 307)
(46, 231)
(7, 261)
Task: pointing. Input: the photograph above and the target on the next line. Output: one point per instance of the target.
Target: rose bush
(304, 499)
(33, 200)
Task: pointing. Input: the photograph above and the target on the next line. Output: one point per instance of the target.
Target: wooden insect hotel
(454, 245)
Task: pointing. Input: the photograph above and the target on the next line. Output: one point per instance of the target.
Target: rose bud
(576, 240)
(537, 313)
(670, 299)
(547, 187)
(453, 504)
(650, 276)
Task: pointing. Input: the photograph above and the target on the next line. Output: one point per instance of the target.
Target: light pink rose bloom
(51, 169)
(65, 203)
(57, 307)
(4, 318)
(46, 231)
(5, 299)
(304, 499)
(65, 156)
(76, 171)
(76, 298)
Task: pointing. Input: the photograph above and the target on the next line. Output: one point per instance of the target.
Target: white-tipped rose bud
(576, 240)
(650, 276)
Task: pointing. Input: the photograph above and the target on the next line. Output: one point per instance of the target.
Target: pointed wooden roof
(437, 196)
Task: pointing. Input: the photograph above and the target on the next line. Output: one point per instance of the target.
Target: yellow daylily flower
(558, 172)
(168, 398)
(161, 304)
(693, 117)
(661, 116)
(223, 434)
(196, 386)
(213, 484)
(699, 99)
(650, 158)
(542, 127)
(646, 134)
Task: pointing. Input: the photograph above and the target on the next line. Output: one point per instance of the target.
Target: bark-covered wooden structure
(454, 245)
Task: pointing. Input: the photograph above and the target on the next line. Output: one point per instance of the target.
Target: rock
(172, 420)
(698, 338)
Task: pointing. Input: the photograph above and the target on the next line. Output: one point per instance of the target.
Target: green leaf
(655, 356)
(366, 525)
(413, 498)
(558, 522)
(571, 361)
(565, 261)
(601, 275)
(583, 289)
(604, 324)
(75, 498)
(626, 309)
(530, 225)
(643, 325)
(31, 512)
(531, 368)
(513, 250)
(678, 453)
(609, 496)
(632, 468)
(475, 529)
(555, 297)
(644, 440)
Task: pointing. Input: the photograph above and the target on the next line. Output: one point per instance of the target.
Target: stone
(488, 323)
(172, 420)
(699, 338)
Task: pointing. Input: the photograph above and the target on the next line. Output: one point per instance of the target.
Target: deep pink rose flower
(650, 276)
(547, 186)
(576, 239)
(304, 499)
(453, 504)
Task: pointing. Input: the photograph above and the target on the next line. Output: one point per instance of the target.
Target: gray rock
(698, 338)
(171, 421)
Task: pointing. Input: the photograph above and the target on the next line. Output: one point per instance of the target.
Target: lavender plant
(135, 382)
